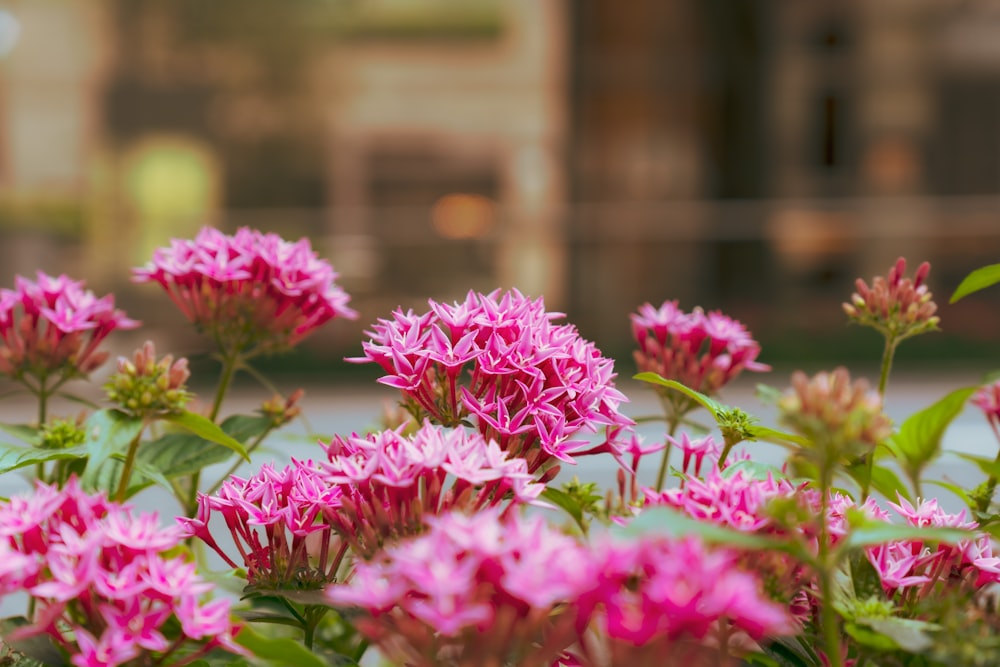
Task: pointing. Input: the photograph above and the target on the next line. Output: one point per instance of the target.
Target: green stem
(827, 612)
(133, 447)
(661, 476)
(890, 351)
(230, 362)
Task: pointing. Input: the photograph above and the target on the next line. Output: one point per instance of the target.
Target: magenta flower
(472, 590)
(656, 601)
(388, 483)
(253, 293)
(94, 570)
(278, 526)
(987, 399)
(500, 361)
(53, 329)
(701, 351)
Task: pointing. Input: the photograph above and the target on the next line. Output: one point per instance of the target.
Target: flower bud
(144, 386)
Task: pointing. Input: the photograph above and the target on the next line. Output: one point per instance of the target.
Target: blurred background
(753, 157)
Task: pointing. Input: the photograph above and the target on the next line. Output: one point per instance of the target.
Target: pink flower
(53, 328)
(388, 483)
(105, 583)
(703, 352)
(471, 584)
(253, 293)
(500, 361)
(895, 306)
(653, 600)
(271, 517)
(987, 399)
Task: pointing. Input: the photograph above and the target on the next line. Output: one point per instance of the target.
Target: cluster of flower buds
(282, 410)
(109, 587)
(253, 293)
(277, 522)
(498, 359)
(389, 483)
(701, 351)
(53, 328)
(144, 386)
(842, 419)
(897, 307)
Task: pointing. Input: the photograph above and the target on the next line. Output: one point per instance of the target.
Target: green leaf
(282, 651)
(777, 437)
(208, 430)
(883, 480)
(668, 522)
(566, 502)
(13, 457)
(247, 427)
(868, 637)
(907, 633)
(919, 439)
(38, 648)
(988, 465)
(753, 470)
(767, 394)
(180, 454)
(108, 432)
(23, 432)
(979, 279)
(954, 488)
(871, 533)
(709, 404)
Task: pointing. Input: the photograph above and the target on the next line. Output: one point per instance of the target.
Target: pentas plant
(701, 351)
(107, 586)
(51, 331)
(253, 293)
(388, 483)
(500, 361)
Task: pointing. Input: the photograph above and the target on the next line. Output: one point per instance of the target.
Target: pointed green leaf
(883, 480)
(12, 457)
(909, 634)
(669, 522)
(208, 430)
(872, 533)
(39, 649)
(753, 470)
(282, 651)
(23, 432)
(979, 279)
(709, 404)
(767, 394)
(919, 439)
(989, 465)
(108, 432)
(180, 454)
(954, 488)
(566, 502)
(777, 437)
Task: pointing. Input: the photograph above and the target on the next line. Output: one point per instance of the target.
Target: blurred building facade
(747, 156)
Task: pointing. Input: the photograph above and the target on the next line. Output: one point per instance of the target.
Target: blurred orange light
(463, 216)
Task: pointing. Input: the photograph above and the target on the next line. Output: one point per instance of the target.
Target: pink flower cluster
(388, 483)
(252, 292)
(486, 590)
(654, 601)
(736, 500)
(279, 521)
(53, 327)
(107, 583)
(530, 384)
(912, 564)
(701, 351)
(477, 589)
